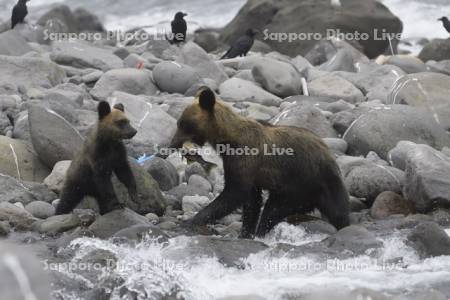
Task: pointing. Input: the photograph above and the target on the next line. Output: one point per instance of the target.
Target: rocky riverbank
(386, 119)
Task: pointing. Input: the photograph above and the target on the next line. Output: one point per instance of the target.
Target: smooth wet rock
(338, 146)
(429, 240)
(390, 203)
(4, 228)
(193, 55)
(16, 216)
(438, 49)
(13, 44)
(173, 77)
(425, 90)
(55, 181)
(163, 172)
(14, 190)
(427, 181)
(354, 238)
(186, 190)
(149, 200)
(155, 127)
(305, 115)
(239, 90)
(193, 204)
(131, 81)
(40, 209)
(194, 169)
(408, 64)
(27, 72)
(57, 224)
(278, 78)
(367, 180)
(83, 55)
(18, 159)
(54, 139)
(107, 225)
(335, 87)
(380, 130)
(200, 182)
(287, 17)
(229, 252)
(341, 61)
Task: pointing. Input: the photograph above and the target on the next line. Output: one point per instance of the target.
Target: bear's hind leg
(250, 215)
(274, 212)
(71, 196)
(106, 196)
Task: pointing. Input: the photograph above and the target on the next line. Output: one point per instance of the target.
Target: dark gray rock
(173, 77)
(139, 232)
(131, 81)
(427, 181)
(111, 223)
(354, 238)
(335, 87)
(408, 64)
(57, 224)
(163, 172)
(438, 49)
(13, 44)
(429, 240)
(14, 190)
(54, 139)
(40, 209)
(228, 252)
(305, 115)
(17, 217)
(381, 129)
(239, 90)
(390, 203)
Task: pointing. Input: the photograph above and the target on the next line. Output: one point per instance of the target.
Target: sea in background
(419, 16)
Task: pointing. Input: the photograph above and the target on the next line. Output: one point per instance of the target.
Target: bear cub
(299, 180)
(102, 154)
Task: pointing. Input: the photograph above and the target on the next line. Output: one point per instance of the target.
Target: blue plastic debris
(142, 159)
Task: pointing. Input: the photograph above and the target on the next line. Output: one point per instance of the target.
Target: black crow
(20, 11)
(242, 45)
(179, 28)
(446, 23)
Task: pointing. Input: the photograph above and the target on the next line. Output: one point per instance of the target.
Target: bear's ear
(120, 107)
(103, 109)
(207, 99)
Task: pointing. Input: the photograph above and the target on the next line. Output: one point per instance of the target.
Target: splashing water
(149, 271)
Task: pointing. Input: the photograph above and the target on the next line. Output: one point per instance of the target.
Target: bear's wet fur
(297, 184)
(102, 155)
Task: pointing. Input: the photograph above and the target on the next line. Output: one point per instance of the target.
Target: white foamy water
(265, 274)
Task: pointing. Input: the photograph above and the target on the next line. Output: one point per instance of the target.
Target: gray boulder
(13, 44)
(239, 90)
(55, 181)
(335, 87)
(368, 180)
(17, 159)
(429, 240)
(111, 223)
(390, 203)
(173, 77)
(408, 64)
(54, 139)
(305, 115)
(341, 61)
(354, 238)
(155, 127)
(40, 209)
(14, 190)
(131, 81)
(193, 204)
(27, 72)
(293, 16)
(138, 233)
(57, 224)
(426, 90)
(16, 216)
(278, 78)
(83, 55)
(438, 49)
(194, 56)
(163, 172)
(380, 130)
(229, 252)
(442, 66)
(427, 182)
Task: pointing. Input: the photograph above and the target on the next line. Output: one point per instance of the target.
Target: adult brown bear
(103, 153)
(303, 177)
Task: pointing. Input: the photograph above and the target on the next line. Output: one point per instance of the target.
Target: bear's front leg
(250, 214)
(125, 175)
(106, 197)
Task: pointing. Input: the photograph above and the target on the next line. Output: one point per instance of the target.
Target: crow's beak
(184, 15)
(440, 19)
